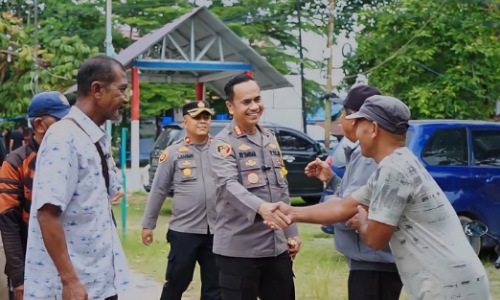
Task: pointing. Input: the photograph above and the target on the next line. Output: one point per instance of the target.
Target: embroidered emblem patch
(273, 146)
(250, 163)
(187, 172)
(163, 156)
(201, 104)
(186, 163)
(187, 140)
(223, 149)
(252, 178)
(244, 147)
(183, 149)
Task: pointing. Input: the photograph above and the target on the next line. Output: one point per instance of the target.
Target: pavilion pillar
(134, 130)
(200, 91)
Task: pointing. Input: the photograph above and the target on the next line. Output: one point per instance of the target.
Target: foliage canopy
(441, 57)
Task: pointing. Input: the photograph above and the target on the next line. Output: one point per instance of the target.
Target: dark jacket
(16, 182)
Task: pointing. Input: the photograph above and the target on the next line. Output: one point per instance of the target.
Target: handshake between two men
(280, 215)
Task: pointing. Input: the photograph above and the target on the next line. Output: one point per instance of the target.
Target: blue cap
(48, 103)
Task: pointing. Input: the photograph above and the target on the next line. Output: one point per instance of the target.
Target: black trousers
(115, 297)
(374, 285)
(269, 278)
(185, 250)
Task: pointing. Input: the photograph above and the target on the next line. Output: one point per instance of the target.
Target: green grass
(321, 272)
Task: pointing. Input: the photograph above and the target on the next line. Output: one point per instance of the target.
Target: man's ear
(376, 129)
(229, 106)
(184, 122)
(38, 125)
(96, 89)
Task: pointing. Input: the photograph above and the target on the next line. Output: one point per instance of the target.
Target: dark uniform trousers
(185, 250)
(269, 278)
(374, 285)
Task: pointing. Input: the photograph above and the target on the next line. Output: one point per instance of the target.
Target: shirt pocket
(251, 173)
(187, 170)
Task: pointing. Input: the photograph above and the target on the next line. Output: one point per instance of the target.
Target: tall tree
(441, 57)
(58, 60)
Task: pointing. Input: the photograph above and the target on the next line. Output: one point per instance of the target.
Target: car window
(486, 147)
(447, 147)
(216, 129)
(167, 137)
(290, 141)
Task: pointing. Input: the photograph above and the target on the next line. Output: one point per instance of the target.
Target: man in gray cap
(402, 205)
(375, 270)
(16, 182)
(184, 167)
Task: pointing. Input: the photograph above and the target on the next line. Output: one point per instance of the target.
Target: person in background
(3, 153)
(6, 139)
(16, 138)
(184, 167)
(27, 134)
(73, 249)
(16, 183)
(246, 161)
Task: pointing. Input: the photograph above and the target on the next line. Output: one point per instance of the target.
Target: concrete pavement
(143, 287)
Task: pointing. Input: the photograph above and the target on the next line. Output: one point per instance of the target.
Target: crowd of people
(231, 209)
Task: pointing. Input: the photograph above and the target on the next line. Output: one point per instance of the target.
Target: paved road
(142, 288)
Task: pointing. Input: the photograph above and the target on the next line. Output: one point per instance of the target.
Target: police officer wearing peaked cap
(246, 160)
(184, 167)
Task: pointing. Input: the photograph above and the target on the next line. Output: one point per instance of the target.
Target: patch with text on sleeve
(163, 156)
(223, 149)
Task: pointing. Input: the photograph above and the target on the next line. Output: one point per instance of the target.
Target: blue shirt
(69, 175)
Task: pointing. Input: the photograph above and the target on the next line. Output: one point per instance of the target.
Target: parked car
(464, 159)
(298, 150)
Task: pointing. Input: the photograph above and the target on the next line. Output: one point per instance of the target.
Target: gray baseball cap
(390, 113)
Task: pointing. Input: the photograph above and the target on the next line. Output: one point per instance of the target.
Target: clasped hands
(276, 216)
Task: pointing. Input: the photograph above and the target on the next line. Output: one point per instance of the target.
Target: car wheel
(311, 199)
(475, 242)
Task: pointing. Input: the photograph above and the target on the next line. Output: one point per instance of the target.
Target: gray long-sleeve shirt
(186, 169)
(248, 173)
(360, 257)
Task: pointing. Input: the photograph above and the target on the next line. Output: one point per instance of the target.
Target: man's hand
(359, 220)
(319, 169)
(19, 292)
(74, 290)
(294, 244)
(284, 210)
(147, 236)
(117, 197)
(272, 215)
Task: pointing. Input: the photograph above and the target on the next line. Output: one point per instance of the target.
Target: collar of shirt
(234, 126)
(91, 129)
(349, 149)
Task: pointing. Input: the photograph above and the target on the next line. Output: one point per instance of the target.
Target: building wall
(283, 106)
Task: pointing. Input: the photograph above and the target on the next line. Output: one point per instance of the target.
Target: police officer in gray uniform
(254, 261)
(184, 166)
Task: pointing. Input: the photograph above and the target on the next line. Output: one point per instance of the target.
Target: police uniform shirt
(183, 167)
(247, 175)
